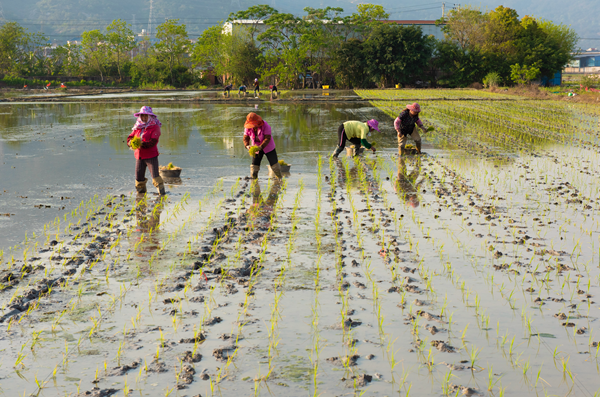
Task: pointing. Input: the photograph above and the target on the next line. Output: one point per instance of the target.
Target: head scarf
(253, 120)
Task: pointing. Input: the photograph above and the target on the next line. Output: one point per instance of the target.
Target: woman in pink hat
(406, 125)
(356, 132)
(146, 127)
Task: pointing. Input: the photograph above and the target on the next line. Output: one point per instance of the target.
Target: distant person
(147, 128)
(256, 87)
(258, 133)
(273, 89)
(227, 89)
(356, 132)
(406, 125)
(242, 89)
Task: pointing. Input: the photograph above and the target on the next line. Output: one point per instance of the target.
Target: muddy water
(56, 155)
(447, 274)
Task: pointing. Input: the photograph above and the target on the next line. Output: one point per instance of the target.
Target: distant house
(585, 62)
(429, 27)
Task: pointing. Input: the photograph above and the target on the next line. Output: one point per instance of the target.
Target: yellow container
(325, 87)
(397, 85)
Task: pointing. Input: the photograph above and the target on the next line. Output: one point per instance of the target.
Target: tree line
(345, 51)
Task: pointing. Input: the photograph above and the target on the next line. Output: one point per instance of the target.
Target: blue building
(587, 62)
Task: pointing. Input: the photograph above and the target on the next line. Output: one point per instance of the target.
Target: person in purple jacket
(406, 125)
(258, 133)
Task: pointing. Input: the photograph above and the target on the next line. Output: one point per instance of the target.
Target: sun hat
(253, 120)
(145, 110)
(373, 124)
(414, 107)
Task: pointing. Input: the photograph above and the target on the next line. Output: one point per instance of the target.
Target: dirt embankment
(536, 93)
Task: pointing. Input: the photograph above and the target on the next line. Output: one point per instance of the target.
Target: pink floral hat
(373, 124)
(414, 107)
(145, 110)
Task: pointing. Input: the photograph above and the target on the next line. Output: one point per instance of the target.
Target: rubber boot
(276, 168)
(418, 145)
(159, 184)
(254, 171)
(140, 186)
(336, 152)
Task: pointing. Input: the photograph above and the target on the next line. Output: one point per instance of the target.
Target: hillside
(66, 19)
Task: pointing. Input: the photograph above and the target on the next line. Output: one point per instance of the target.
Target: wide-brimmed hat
(373, 124)
(253, 120)
(145, 110)
(414, 107)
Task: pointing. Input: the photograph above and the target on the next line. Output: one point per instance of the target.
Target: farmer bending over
(405, 124)
(242, 89)
(258, 133)
(356, 132)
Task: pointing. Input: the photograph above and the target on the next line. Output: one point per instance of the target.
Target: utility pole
(443, 9)
(133, 24)
(150, 21)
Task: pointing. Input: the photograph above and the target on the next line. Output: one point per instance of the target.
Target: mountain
(63, 20)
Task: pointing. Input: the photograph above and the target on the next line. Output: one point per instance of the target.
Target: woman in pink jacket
(258, 133)
(147, 128)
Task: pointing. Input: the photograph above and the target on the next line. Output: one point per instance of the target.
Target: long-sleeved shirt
(149, 138)
(357, 129)
(261, 138)
(405, 122)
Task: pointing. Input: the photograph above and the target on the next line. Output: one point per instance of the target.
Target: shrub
(590, 81)
(492, 79)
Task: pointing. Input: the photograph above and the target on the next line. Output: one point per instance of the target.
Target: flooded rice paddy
(470, 270)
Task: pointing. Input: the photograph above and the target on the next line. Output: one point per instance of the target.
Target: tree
(95, 51)
(372, 12)
(21, 52)
(284, 52)
(121, 40)
(212, 50)
(397, 54)
(258, 14)
(460, 66)
(173, 44)
(523, 74)
(465, 27)
(350, 64)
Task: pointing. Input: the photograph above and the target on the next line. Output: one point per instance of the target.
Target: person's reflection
(263, 208)
(148, 222)
(407, 186)
(352, 173)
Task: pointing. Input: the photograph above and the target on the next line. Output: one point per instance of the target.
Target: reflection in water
(261, 207)
(407, 186)
(347, 174)
(148, 221)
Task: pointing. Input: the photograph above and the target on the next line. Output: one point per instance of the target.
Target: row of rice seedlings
(316, 337)
(525, 371)
(96, 323)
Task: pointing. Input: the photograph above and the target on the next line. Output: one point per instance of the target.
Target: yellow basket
(325, 87)
(397, 85)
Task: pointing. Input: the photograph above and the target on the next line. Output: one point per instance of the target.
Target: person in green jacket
(356, 132)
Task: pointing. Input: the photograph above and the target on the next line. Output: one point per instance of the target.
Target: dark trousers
(140, 168)
(342, 138)
(271, 156)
